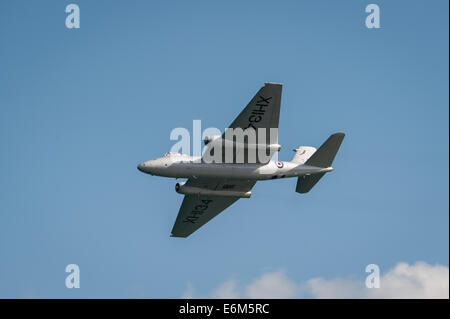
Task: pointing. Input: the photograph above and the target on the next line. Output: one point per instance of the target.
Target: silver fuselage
(183, 166)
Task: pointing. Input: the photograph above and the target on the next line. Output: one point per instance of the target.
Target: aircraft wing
(197, 210)
(260, 116)
(263, 111)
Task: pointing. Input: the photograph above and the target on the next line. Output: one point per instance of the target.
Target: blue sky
(79, 109)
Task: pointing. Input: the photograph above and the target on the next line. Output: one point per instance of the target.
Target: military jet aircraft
(216, 182)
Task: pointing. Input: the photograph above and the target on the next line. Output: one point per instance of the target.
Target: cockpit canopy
(170, 154)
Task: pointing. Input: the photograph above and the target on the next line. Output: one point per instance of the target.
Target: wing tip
(177, 236)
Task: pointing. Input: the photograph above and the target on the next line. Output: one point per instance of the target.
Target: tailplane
(306, 182)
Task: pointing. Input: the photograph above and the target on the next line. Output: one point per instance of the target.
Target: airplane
(215, 184)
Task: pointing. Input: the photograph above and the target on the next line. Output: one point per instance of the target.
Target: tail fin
(323, 157)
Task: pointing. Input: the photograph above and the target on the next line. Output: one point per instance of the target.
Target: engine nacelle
(210, 138)
(302, 154)
(236, 145)
(182, 188)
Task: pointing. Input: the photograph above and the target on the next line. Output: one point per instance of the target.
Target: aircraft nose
(142, 167)
(146, 167)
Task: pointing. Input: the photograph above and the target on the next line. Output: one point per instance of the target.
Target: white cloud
(334, 288)
(272, 285)
(420, 280)
(414, 281)
(227, 290)
(189, 292)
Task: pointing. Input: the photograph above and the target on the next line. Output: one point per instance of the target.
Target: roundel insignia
(279, 164)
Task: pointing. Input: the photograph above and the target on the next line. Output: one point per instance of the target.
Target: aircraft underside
(272, 170)
(214, 183)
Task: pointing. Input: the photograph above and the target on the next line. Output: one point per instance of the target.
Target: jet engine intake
(210, 138)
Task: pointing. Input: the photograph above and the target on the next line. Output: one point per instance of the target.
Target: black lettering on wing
(257, 113)
(198, 210)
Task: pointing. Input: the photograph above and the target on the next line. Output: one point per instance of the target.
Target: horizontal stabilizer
(306, 182)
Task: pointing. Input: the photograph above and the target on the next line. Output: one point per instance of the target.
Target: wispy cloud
(419, 280)
(228, 289)
(272, 285)
(414, 281)
(189, 292)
